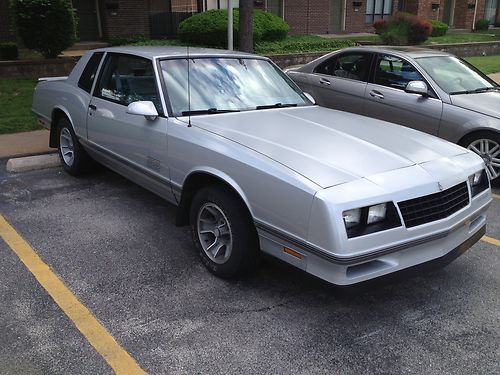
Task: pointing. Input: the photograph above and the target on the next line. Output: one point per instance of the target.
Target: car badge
(440, 186)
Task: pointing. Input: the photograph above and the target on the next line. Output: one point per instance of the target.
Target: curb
(32, 163)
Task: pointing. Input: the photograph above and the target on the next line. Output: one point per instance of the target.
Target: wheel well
(57, 114)
(475, 133)
(195, 182)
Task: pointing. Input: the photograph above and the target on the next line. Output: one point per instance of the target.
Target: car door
(386, 98)
(133, 140)
(340, 82)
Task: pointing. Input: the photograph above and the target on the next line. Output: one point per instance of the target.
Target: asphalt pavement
(116, 248)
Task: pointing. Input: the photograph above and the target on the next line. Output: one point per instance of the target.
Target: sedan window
(88, 75)
(218, 85)
(391, 71)
(127, 79)
(352, 66)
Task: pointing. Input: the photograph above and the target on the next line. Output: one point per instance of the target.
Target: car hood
(326, 146)
(487, 103)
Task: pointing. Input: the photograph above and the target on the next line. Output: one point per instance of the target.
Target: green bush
(482, 25)
(8, 51)
(127, 40)
(210, 28)
(405, 29)
(438, 28)
(302, 43)
(47, 26)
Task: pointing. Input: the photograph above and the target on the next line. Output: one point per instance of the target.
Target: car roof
(152, 52)
(413, 52)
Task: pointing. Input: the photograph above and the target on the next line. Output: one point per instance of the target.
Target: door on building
(490, 11)
(88, 20)
(336, 15)
(448, 12)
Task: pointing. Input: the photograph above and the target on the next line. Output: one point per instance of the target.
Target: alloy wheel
(489, 150)
(66, 147)
(214, 233)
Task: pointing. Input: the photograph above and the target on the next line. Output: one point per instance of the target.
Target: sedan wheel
(489, 150)
(74, 159)
(66, 147)
(223, 231)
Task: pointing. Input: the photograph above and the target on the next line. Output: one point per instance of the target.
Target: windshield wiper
(476, 91)
(277, 105)
(208, 111)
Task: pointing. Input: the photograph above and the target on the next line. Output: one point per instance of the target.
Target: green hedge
(210, 28)
(127, 40)
(438, 28)
(8, 51)
(482, 25)
(305, 43)
(47, 26)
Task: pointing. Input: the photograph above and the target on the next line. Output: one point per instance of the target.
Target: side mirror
(310, 97)
(143, 108)
(417, 87)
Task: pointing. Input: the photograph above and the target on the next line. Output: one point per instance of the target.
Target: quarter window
(394, 72)
(354, 66)
(377, 10)
(88, 74)
(127, 79)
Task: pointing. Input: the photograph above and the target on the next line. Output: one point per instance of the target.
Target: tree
(48, 26)
(245, 27)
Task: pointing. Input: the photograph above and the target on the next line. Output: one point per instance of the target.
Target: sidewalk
(37, 142)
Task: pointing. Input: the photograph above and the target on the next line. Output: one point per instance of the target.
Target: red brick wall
(355, 17)
(464, 16)
(130, 18)
(307, 16)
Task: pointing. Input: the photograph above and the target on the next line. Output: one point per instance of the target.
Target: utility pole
(229, 25)
(246, 26)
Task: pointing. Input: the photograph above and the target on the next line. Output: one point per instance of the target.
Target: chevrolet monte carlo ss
(254, 166)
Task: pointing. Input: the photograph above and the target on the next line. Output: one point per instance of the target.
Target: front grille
(434, 207)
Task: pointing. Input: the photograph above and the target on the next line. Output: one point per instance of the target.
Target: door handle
(92, 107)
(376, 94)
(324, 81)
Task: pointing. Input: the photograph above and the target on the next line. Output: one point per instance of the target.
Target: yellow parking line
(496, 196)
(490, 240)
(119, 360)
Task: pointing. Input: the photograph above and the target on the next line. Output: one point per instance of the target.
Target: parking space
(115, 247)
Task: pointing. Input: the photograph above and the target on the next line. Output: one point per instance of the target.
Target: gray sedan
(427, 90)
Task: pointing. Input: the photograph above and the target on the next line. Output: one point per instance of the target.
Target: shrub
(438, 28)
(482, 25)
(8, 51)
(404, 29)
(210, 28)
(47, 26)
(127, 40)
(302, 43)
(379, 26)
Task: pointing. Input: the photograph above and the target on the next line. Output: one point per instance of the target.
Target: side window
(127, 79)
(355, 66)
(394, 72)
(88, 74)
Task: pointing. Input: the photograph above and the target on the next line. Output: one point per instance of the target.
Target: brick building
(106, 19)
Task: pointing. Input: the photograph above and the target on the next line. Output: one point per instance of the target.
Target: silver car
(427, 90)
(254, 166)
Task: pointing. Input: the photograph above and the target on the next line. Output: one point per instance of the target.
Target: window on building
(275, 7)
(377, 10)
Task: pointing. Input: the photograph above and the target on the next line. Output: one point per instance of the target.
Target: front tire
(73, 157)
(223, 232)
(487, 145)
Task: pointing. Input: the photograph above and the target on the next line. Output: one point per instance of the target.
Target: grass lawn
(486, 64)
(15, 103)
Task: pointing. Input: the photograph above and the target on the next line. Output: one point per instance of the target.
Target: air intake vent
(434, 207)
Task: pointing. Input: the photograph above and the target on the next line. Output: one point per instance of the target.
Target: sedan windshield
(455, 76)
(219, 85)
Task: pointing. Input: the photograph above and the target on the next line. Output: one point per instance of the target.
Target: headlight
(370, 219)
(478, 182)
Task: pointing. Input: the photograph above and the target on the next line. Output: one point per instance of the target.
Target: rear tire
(487, 145)
(74, 158)
(223, 232)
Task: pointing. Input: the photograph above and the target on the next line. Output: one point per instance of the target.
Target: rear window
(89, 73)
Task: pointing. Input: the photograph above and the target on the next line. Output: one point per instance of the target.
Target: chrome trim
(349, 260)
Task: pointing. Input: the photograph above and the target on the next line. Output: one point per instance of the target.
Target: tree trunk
(246, 26)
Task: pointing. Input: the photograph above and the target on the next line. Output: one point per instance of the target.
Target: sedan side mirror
(143, 108)
(417, 87)
(310, 97)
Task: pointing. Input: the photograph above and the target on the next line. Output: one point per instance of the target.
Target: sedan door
(135, 141)
(386, 98)
(340, 82)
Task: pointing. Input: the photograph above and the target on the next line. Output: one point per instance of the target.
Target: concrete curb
(31, 163)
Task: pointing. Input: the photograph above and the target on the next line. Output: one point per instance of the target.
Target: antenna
(189, 91)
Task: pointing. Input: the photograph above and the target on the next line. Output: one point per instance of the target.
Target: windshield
(227, 84)
(455, 76)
